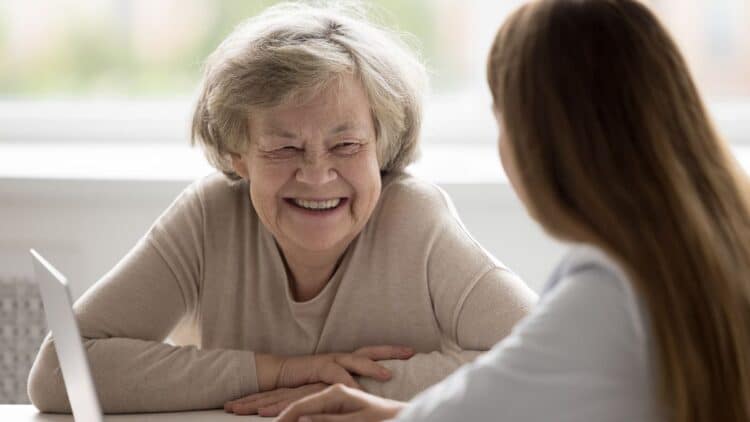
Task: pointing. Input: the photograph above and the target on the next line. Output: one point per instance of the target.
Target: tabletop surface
(28, 413)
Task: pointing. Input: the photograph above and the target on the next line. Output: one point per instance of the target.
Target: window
(126, 70)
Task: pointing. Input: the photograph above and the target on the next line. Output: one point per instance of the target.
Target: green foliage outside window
(97, 56)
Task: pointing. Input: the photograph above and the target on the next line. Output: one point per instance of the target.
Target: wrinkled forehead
(339, 103)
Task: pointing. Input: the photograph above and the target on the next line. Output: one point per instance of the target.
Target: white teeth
(318, 205)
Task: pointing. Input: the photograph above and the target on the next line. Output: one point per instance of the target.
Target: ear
(239, 165)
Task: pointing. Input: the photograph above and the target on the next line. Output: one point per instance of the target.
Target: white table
(28, 413)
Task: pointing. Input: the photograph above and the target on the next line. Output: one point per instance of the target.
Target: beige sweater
(209, 276)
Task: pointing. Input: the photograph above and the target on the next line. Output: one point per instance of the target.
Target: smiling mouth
(315, 205)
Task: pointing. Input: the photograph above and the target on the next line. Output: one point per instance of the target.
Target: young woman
(607, 142)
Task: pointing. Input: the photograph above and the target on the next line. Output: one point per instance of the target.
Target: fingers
(271, 403)
(385, 352)
(251, 408)
(274, 409)
(251, 404)
(361, 416)
(340, 403)
(301, 370)
(331, 418)
(335, 399)
(363, 366)
(335, 373)
(284, 401)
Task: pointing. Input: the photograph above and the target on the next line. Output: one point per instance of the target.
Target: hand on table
(340, 403)
(271, 403)
(284, 379)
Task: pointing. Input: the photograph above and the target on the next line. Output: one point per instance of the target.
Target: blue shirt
(583, 354)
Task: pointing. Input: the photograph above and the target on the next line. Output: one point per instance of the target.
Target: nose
(316, 169)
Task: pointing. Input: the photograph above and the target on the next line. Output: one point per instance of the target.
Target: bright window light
(125, 71)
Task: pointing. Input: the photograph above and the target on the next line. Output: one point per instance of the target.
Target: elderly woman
(312, 258)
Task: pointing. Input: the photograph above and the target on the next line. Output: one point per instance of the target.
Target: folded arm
(490, 308)
(124, 321)
(128, 314)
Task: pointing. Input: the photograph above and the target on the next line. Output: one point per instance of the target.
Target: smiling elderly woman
(312, 259)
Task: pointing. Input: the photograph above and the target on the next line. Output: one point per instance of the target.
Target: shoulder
(589, 282)
(428, 215)
(579, 345)
(412, 199)
(585, 262)
(210, 197)
(402, 186)
(216, 188)
(419, 209)
(582, 343)
(588, 325)
(591, 271)
(584, 257)
(416, 213)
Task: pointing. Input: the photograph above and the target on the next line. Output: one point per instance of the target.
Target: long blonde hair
(614, 147)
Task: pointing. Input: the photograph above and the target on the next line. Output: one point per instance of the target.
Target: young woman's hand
(271, 403)
(340, 403)
(282, 380)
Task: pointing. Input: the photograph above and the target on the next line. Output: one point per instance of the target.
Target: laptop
(58, 308)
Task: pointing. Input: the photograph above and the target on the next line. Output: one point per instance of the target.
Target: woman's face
(313, 169)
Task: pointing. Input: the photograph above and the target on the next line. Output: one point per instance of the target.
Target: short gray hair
(295, 49)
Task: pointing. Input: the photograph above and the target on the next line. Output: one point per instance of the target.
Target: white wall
(84, 227)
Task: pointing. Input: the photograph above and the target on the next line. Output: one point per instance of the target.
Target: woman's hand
(340, 403)
(282, 380)
(271, 403)
(285, 372)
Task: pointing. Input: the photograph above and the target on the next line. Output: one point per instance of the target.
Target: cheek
(505, 158)
(263, 202)
(271, 174)
(511, 170)
(363, 173)
(266, 182)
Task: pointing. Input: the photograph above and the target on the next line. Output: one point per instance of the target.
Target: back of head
(290, 52)
(614, 147)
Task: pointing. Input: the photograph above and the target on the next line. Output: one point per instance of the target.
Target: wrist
(267, 369)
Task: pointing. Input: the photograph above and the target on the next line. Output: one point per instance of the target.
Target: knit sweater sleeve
(126, 317)
(491, 307)
(476, 301)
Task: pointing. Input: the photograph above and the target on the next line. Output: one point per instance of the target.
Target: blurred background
(95, 96)
(126, 70)
(154, 48)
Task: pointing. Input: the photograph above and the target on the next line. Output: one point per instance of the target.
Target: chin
(318, 245)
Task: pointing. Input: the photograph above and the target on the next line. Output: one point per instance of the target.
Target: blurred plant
(105, 56)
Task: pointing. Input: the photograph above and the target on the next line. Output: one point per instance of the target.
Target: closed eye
(288, 151)
(347, 148)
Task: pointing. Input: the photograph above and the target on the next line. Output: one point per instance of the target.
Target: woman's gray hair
(291, 51)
